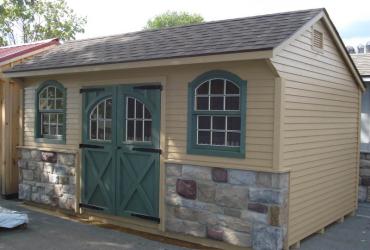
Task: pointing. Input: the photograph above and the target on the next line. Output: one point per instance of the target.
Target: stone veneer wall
(364, 185)
(243, 208)
(47, 177)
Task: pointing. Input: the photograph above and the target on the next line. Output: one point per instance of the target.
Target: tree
(173, 18)
(23, 21)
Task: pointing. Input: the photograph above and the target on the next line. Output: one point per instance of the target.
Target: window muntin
(217, 94)
(215, 130)
(101, 121)
(138, 121)
(218, 130)
(51, 112)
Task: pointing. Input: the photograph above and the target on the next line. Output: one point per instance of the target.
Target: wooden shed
(240, 133)
(9, 111)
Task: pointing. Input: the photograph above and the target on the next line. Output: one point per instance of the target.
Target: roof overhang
(323, 15)
(226, 57)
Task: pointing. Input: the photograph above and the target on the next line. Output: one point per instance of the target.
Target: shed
(362, 62)
(9, 105)
(241, 133)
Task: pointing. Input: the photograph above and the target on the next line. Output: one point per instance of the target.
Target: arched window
(217, 115)
(101, 121)
(51, 115)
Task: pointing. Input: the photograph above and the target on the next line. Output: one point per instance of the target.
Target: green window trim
(213, 150)
(39, 138)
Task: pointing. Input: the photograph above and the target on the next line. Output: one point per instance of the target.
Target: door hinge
(91, 206)
(150, 87)
(149, 150)
(84, 90)
(90, 146)
(146, 217)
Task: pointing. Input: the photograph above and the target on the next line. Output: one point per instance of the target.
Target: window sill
(50, 141)
(217, 151)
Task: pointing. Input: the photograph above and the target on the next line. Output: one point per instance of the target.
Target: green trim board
(212, 150)
(37, 128)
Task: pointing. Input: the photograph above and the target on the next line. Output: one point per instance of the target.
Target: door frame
(161, 80)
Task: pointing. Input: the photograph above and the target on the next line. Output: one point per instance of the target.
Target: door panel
(98, 155)
(118, 176)
(138, 172)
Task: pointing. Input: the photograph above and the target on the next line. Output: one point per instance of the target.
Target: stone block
(24, 192)
(241, 177)
(215, 233)
(49, 189)
(267, 237)
(264, 179)
(35, 155)
(187, 188)
(367, 156)
(63, 179)
(67, 202)
(278, 216)
(53, 178)
(182, 213)
(254, 217)
(365, 181)
(49, 167)
(196, 172)
(49, 157)
(22, 164)
(362, 193)
(233, 223)
(187, 227)
(237, 238)
(171, 181)
(72, 180)
(280, 181)
(258, 208)
(44, 177)
(173, 170)
(270, 196)
(232, 212)
(176, 200)
(66, 159)
(27, 174)
(60, 170)
(25, 154)
(206, 192)
(219, 175)
(33, 165)
(36, 197)
(231, 196)
(69, 189)
(45, 199)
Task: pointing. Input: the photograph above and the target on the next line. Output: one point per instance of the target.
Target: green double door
(120, 150)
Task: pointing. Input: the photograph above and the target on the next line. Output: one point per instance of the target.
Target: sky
(107, 17)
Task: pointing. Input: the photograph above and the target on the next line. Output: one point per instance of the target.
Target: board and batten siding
(260, 109)
(320, 133)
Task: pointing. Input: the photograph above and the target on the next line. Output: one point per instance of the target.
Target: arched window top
(101, 121)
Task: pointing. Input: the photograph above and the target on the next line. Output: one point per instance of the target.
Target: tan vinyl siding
(320, 133)
(260, 105)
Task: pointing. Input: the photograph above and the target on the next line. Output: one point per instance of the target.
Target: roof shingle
(362, 62)
(218, 37)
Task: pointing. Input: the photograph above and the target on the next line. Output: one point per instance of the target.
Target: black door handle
(149, 150)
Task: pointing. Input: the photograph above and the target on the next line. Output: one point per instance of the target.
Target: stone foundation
(48, 178)
(243, 208)
(364, 181)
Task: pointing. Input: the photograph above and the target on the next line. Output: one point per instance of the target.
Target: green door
(120, 153)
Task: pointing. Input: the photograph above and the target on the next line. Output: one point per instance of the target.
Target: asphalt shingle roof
(362, 62)
(228, 36)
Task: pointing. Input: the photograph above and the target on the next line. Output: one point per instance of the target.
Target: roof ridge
(30, 43)
(191, 25)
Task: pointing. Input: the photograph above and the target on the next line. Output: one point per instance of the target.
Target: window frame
(38, 113)
(213, 150)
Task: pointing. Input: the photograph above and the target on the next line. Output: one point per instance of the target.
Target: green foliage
(23, 21)
(172, 19)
